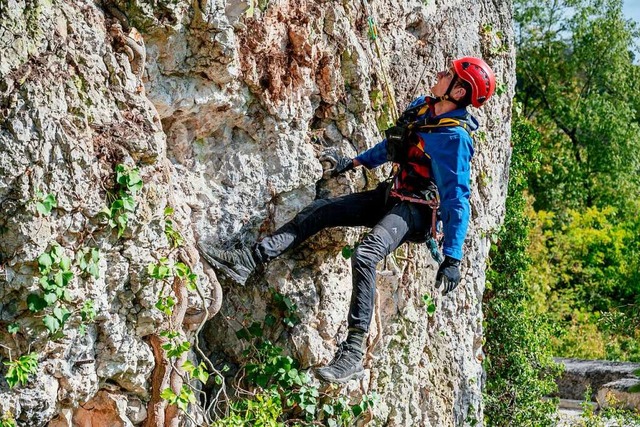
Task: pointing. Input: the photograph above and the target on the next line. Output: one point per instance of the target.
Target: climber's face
(444, 79)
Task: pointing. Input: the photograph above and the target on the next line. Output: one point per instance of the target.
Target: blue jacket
(450, 150)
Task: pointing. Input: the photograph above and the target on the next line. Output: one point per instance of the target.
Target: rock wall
(223, 107)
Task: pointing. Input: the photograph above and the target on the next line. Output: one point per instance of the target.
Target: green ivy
(88, 260)
(45, 203)
(287, 308)
(7, 420)
(198, 372)
(519, 365)
(128, 183)
(429, 304)
(182, 399)
(283, 391)
(18, 370)
(173, 235)
(56, 272)
(174, 345)
(163, 271)
(264, 409)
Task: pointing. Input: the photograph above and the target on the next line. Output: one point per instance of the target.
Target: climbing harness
(403, 146)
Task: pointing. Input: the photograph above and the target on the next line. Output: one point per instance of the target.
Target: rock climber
(432, 148)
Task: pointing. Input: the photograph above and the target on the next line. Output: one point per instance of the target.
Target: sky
(631, 9)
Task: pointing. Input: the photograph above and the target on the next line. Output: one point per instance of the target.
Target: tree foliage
(519, 364)
(578, 84)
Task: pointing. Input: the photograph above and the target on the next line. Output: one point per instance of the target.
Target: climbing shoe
(345, 366)
(236, 264)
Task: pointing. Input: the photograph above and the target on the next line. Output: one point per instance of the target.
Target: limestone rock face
(223, 107)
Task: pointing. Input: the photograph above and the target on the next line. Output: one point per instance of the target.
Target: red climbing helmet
(479, 75)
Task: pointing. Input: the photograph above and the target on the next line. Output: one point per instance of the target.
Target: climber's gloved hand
(338, 164)
(448, 274)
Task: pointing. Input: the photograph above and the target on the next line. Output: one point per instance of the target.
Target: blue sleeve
(374, 156)
(451, 154)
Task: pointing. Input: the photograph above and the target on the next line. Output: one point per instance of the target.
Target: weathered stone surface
(225, 115)
(579, 375)
(623, 392)
(71, 108)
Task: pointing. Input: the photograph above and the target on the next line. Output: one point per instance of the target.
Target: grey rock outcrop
(582, 375)
(609, 382)
(623, 392)
(224, 115)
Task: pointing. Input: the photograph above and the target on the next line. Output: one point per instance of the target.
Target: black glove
(449, 274)
(339, 164)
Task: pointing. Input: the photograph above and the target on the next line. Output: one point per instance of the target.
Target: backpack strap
(430, 124)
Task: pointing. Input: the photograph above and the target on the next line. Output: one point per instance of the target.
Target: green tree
(578, 83)
(519, 364)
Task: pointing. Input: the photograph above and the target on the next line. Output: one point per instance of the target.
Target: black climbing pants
(393, 222)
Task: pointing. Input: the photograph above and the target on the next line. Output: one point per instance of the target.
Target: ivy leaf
(243, 334)
(201, 374)
(188, 367)
(255, 329)
(121, 174)
(81, 261)
(106, 212)
(44, 263)
(117, 205)
(36, 303)
(57, 253)
(357, 410)
(65, 263)
(269, 320)
(42, 209)
(128, 203)
(66, 277)
(93, 270)
(134, 183)
(169, 334)
(181, 270)
(57, 278)
(51, 323)
(121, 222)
(430, 304)
(88, 311)
(61, 313)
(192, 282)
(347, 251)
(168, 395)
(45, 205)
(50, 298)
(165, 305)
(177, 350)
